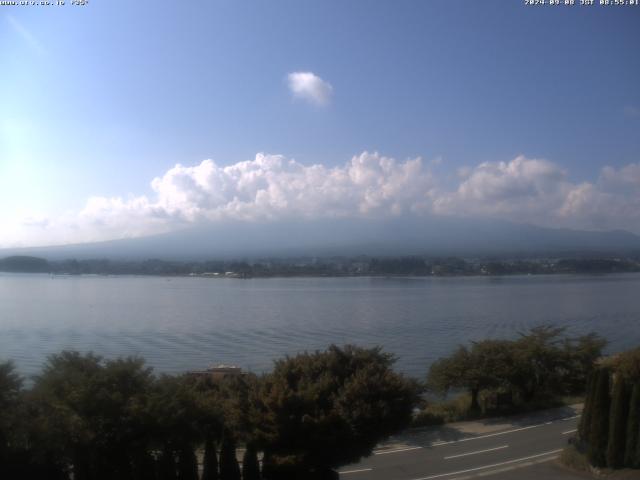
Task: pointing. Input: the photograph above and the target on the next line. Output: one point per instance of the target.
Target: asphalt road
(521, 446)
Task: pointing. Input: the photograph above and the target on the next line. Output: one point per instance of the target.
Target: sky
(122, 119)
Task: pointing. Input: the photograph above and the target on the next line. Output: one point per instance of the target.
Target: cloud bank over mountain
(272, 188)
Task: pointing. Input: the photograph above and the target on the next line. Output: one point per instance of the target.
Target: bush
(330, 408)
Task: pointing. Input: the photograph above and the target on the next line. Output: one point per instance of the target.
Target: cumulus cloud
(529, 187)
(613, 201)
(538, 191)
(310, 87)
(273, 188)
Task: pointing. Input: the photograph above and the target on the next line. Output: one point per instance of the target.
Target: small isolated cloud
(310, 87)
(26, 35)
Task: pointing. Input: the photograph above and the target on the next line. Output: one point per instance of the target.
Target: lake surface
(179, 324)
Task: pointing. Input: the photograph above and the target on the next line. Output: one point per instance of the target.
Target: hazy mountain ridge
(398, 237)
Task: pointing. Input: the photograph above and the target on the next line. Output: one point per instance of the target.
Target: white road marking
(475, 453)
(397, 450)
(511, 468)
(484, 467)
(570, 418)
(437, 444)
(570, 431)
(355, 471)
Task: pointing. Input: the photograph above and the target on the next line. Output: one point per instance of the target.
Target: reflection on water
(186, 323)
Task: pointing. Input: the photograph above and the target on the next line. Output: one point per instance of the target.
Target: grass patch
(574, 459)
(454, 410)
(457, 409)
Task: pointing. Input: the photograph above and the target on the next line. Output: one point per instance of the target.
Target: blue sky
(99, 100)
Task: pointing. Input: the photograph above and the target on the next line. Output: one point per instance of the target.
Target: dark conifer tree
(187, 464)
(267, 466)
(210, 466)
(618, 424)
(633, 429)
(585, 419)
(599, 429)
(250, 465)
(144, 465)
(229, 468)
(167, 465)
(636, 459)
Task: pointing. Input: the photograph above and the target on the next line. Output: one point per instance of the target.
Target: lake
(180, 323)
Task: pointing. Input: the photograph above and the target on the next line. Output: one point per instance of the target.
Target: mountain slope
(402, 236)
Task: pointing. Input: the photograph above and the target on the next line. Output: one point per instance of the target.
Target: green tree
(581, 355)
(210, 462)
(97, 407)
(618, 424)
(10, 393)
(599, 429)
(541, 360)
(456, 372)
(633, 430)
(229, 468)
(17, 457)
(488, 364)
(326, 409)
(64, 399)
(250, 465)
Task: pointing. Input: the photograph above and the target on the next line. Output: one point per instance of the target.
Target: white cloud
(521, 187)
(612, 202)
(273, 188)
(310, 87)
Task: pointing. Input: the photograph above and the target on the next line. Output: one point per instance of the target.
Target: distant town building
(218, 372)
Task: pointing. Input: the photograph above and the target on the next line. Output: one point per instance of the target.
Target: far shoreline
(316, 276)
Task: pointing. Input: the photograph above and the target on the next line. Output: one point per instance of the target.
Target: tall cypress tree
(636, 459)
(267, 466)
(167, 465)
(210, 466)
(250, 465)
(187, 464)
(618, 424)
(585, 420)
(144, 465)
(229, 468)
(599, 429)
(633, 429)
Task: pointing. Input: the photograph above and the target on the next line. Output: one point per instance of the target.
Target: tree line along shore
(86, 418)
(331, 266)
